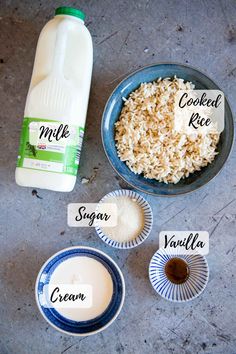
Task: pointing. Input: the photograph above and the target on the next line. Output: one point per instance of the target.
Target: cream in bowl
(85, 270)
(134, 220)
(80, 291)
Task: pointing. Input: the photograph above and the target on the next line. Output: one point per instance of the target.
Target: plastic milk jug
(56, 104)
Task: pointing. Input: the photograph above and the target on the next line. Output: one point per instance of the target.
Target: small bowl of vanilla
(134, 220)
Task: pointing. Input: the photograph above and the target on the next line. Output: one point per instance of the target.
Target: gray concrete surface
(126, 35)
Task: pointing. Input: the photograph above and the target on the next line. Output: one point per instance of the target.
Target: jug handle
(60, 47)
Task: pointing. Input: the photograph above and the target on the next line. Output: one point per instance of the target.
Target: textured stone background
(126, 35)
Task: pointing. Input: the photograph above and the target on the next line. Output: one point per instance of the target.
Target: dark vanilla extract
(177, 270)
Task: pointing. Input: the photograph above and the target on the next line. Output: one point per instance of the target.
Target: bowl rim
(103, 118)
(180, 256)
(119, 246)
(112, 319)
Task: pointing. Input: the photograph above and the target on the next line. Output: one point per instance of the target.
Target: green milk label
(50, 145)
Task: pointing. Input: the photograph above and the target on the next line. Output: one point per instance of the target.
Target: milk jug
(56, 104)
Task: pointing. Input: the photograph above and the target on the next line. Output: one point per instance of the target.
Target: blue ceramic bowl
(191, 288)
(148, 220)
(83, 328)
(111, 114)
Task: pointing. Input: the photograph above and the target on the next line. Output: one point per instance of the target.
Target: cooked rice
(147, 142)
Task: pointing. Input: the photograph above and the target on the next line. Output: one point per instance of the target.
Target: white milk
(85, 271)
(59, 91)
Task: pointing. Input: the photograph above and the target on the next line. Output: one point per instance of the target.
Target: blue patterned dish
(191, 288)
(83, 328)
(111, 114)
(147, 225)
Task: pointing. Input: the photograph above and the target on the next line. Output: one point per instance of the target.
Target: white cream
(85, 270)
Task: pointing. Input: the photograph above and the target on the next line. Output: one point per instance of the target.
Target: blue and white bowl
(148, 220)
(82, 328)
(191, 288)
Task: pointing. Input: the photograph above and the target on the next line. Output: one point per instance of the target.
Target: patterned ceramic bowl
(148, 220)
(82, 328)
(191, 288)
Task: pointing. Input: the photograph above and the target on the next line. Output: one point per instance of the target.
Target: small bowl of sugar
(134, 220)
